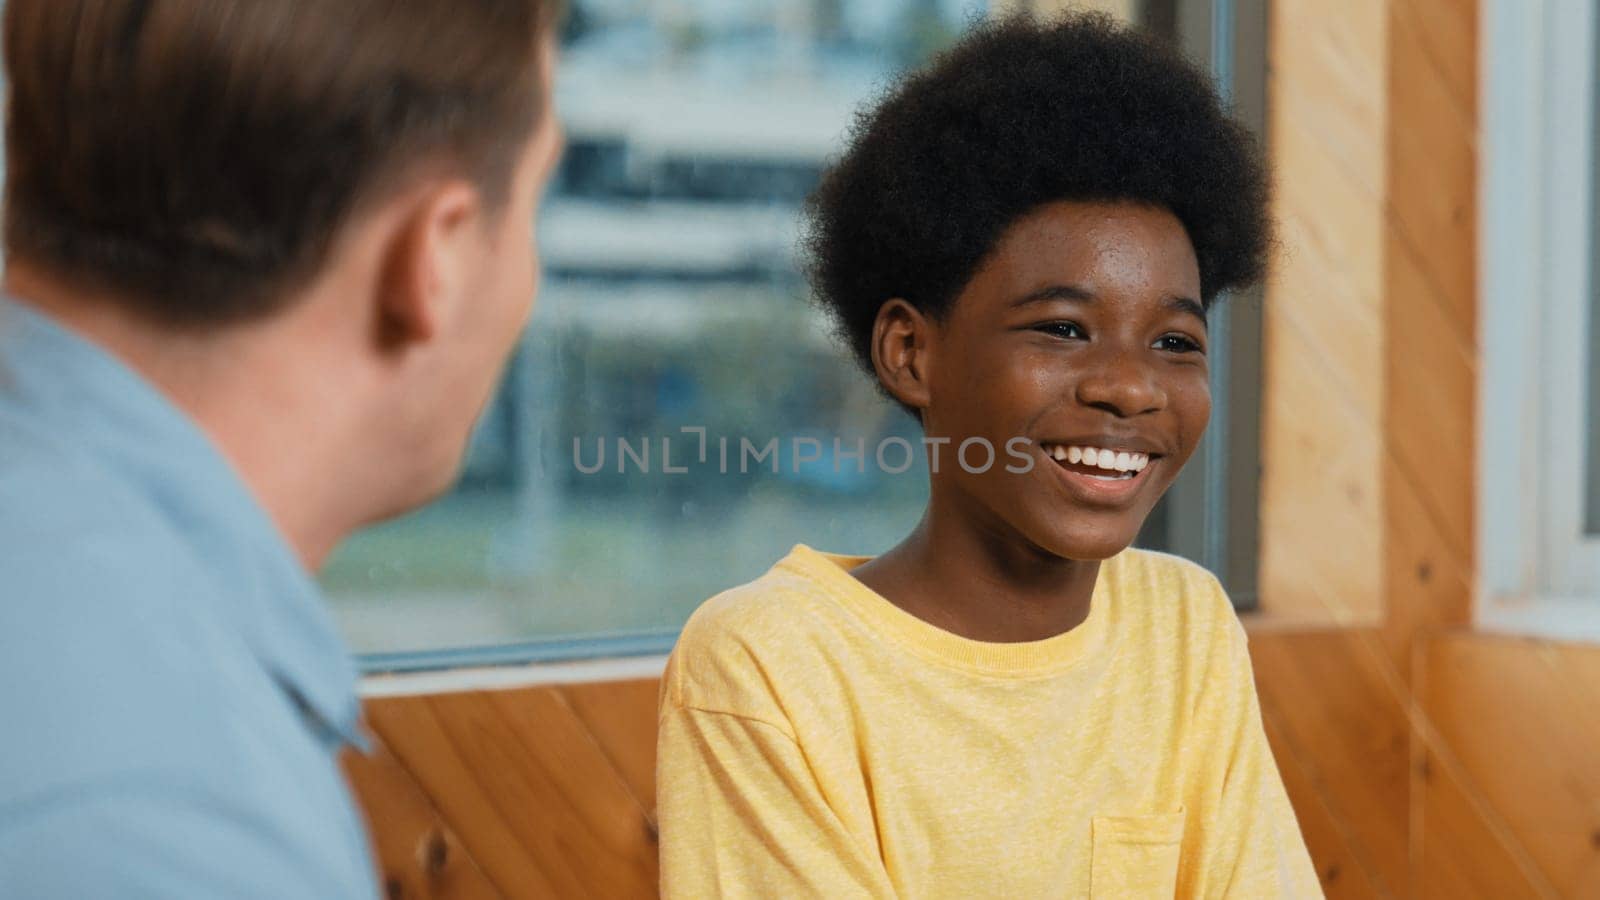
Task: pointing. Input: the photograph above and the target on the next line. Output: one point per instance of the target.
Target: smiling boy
(1022, 241)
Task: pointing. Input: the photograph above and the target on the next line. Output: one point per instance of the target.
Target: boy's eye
(1062, 329)
(1177, 343)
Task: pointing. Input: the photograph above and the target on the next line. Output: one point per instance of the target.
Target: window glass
(671, 301)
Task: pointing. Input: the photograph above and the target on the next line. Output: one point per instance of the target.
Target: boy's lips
(1092, 486)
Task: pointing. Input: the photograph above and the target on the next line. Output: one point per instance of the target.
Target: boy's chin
(1090, 546)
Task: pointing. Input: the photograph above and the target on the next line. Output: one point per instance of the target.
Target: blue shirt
(173, 692)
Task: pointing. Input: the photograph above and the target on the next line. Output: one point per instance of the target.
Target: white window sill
(1573, 619)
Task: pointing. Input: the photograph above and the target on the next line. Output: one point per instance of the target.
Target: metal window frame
(1213, 513)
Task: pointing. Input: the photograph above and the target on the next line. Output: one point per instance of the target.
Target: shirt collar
(122, 420)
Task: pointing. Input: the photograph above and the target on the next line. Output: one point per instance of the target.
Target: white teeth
(1110, 460)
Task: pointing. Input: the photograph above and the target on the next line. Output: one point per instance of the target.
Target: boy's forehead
(1074, 251)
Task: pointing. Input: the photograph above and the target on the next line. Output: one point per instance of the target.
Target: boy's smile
(1083, 332)
(1097, 474)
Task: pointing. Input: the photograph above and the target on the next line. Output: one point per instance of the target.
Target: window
(1211, 515)
(1540, 465)
(624, 472)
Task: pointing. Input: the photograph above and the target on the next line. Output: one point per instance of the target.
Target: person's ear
(902, 352)
(428, 263)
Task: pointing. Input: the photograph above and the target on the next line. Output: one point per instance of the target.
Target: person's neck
(980, 580)
(261, 399)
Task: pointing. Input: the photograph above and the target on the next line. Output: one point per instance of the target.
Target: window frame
(1214, 508)
(1539, 571)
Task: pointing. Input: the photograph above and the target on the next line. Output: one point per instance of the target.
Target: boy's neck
(981, 583)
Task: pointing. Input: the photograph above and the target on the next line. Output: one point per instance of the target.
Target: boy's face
(1082, 329)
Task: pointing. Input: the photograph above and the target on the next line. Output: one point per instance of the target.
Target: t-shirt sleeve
(1249, 843)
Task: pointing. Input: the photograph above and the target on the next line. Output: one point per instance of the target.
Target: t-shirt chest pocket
(1135, 857)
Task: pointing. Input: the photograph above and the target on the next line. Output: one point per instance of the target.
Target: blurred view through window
(670, 299)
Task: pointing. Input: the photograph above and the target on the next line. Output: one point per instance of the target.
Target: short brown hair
(198, 157)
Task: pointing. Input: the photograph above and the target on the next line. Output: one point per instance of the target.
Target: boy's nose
(1121, 386)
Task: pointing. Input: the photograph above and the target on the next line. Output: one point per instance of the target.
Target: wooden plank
(1321, 541)
(1428, 585)
(419, 856)
(1459, 855)
(601, 831)
(1327, 76)
(423, 744)
(518, 777)
(1321, 510)
(1332, 701)
(1447, 32)
(622, 718)
(1341, 872)
(1431, 390)
(1324, 292)
(1521, 721)
(1432, 174)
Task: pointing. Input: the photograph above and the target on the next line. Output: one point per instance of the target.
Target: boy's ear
(902, 352)
(427, 263)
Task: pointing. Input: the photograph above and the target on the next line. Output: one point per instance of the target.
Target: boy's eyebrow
(1192, 307)
(1054, 292)
(1080, 295)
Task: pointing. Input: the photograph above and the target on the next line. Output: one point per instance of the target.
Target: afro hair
(1020, 113)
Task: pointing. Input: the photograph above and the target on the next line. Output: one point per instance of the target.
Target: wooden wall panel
(1430, 265)
(621, 718)
(1432, 154)
(1520, 722)
(419, 857)
(1321, 510)
(1343, 726)
(527, 788)
(1344, 873)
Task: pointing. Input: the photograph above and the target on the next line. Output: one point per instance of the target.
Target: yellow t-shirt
(818, 741)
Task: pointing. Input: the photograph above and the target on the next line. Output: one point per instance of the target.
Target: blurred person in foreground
(1021, 245)
(264, 264)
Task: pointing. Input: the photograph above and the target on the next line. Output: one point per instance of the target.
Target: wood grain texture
(1430, 285)
(418, 856)
(1432, 161)
(1321, 439)
(1343, 873)
(621, 717)
(527, 788)
(1339, 718)
(1521, 723)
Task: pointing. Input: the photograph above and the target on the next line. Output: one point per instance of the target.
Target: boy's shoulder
(738, 641)
(789, 599)
(1164, 569)
(1171, 592)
